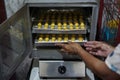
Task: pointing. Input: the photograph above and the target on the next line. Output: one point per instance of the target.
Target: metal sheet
(61, 1)
(51, 69)
(64, 3)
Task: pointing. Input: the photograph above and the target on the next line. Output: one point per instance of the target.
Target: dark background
(2, 11)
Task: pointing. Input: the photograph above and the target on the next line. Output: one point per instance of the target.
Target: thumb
(70, 42)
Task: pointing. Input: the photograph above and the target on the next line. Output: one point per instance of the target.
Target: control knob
(61, 69)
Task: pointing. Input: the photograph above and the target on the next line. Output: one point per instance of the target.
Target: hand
(98, 48)
(71, 47)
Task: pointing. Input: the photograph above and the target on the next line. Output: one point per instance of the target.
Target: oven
(38, 26)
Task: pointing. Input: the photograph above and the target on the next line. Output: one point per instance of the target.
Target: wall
(12, 6)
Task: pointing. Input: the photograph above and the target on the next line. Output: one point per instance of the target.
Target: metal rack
(55, 31)
(59, 21)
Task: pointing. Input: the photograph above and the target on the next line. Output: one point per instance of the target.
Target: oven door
(15, 43)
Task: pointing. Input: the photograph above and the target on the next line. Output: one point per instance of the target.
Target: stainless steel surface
(81, 31)
(67, 69)
(34, 75)
(61, 1)
(37, 44)
(94, 19)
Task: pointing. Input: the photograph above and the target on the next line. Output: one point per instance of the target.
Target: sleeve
(113, 60)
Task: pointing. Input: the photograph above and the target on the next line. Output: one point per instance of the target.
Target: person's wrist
(78, 50)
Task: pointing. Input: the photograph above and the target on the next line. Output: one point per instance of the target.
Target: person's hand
(98, 48)
(71, 47)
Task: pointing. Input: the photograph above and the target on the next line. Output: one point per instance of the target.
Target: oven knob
(61, 69)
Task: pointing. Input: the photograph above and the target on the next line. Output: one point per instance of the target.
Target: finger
(93, 45)
(101, 53)
(57, 44)
(70, 42)
(63, 50)
(88, 49)
(74, 44)
(87, 44)
(92, 42)
(93, 53)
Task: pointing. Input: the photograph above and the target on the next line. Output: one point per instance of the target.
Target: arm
(96, 65)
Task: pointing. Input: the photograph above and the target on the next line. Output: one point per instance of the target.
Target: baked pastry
(39, 25)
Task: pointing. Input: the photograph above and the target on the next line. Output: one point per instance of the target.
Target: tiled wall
(12, 6)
